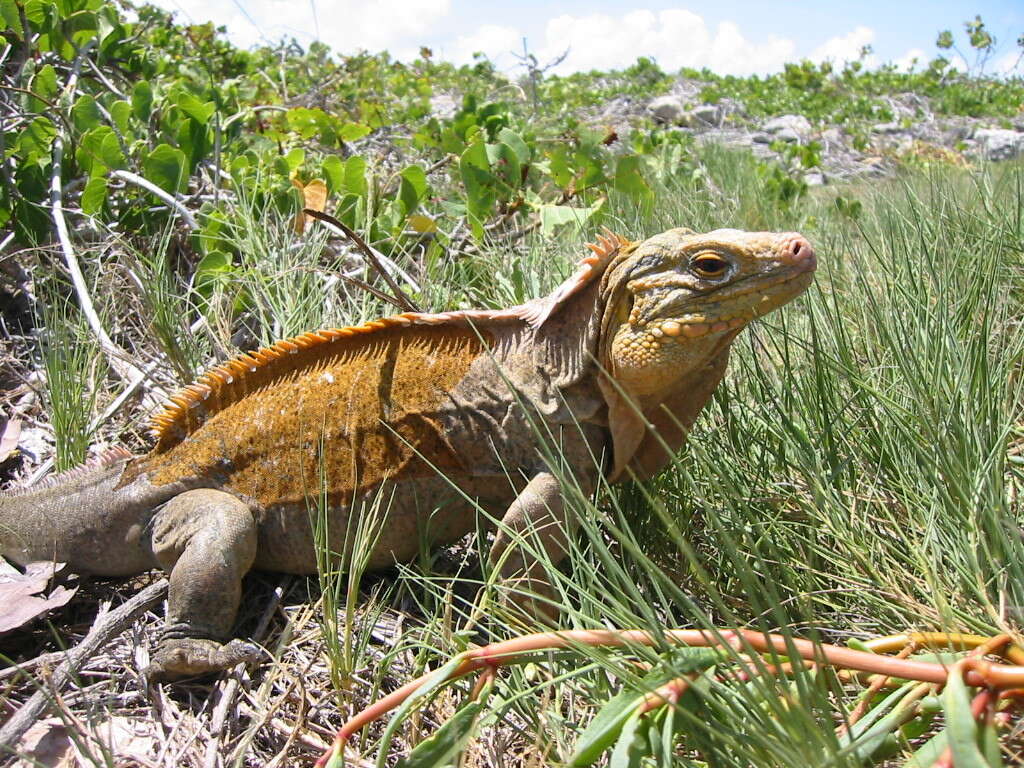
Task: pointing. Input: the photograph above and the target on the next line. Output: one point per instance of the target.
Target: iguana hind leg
(206, 540)
(537, 518)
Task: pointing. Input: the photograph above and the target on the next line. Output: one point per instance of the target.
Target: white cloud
(674, 38)
(840, 50)
(1010, 63)
(345, 25)
(494, 41)
(915, 59)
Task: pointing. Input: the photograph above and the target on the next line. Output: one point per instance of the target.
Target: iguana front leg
(537, 517)
(206, 540)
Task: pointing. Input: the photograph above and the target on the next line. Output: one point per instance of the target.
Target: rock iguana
(423, 413)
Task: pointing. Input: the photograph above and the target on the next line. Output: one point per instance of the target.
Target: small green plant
(74, 367)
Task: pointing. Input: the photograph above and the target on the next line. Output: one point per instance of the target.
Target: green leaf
(505, 166)
(516, 144)
(413, 187)
(166, 167)
(605, 728)
(479, 183)
(36, 11)
(560, 166)
(294, 159)
(334, 172)
(110, 152)
(200, 111)
(94, 195)
(11, 18)
(443, 747)
(303, 121)
(961, 725)
(353, 131)
(100, 151)
(476, 156)
(355, 176)
(932, 750)
(80, 26)
(142, 101)
(85, 114)
(215, 267)
(45, 82)
(435, 681)
(628, 179)
(632, 745)
(554, 216)
(34, 142)
(120, 113)
(870, 733)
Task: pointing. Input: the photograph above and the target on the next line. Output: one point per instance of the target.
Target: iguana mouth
(695, 325)
(693, 328)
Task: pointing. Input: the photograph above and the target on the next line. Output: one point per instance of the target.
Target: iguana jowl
(422, 411)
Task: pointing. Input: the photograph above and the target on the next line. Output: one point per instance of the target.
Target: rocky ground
(846, 151)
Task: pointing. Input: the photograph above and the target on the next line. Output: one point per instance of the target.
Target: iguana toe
(191, 657)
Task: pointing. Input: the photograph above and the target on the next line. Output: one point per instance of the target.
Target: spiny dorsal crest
(100, 461)
(590, 267)
(224, 384)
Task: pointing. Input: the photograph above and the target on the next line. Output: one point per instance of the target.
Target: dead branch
(108, 625)
(168, 198)
(374, 257)
(119, 359)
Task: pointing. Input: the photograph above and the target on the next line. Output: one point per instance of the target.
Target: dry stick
(119, 359)
(107, 626)
(371, 255)
(363, 286)
(168, 198)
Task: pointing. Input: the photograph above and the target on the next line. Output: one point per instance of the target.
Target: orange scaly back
(224, 384)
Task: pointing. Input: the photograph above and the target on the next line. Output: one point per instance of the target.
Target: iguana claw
(191, 657)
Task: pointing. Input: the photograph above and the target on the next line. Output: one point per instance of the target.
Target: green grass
(853, 476)
(850, 479)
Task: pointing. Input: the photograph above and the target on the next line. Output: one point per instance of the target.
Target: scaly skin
(418, 418)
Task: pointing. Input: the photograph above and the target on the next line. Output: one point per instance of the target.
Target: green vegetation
(858, 475)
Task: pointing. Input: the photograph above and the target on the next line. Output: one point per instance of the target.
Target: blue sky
(729, 36)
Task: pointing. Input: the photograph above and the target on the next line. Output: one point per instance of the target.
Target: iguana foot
(191, 657)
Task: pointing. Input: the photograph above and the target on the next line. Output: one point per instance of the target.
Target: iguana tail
(81, 518)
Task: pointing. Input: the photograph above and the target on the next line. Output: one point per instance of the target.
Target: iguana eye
(709, 265)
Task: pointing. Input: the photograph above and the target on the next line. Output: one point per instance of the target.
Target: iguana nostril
(799, 252)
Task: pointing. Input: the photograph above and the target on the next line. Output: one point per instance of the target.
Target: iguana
(427, 414)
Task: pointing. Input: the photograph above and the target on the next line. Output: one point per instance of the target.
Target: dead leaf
(422, 224)
(20, 594)
(314, 196)
(10, 431)
(133, 741)
(46, 744)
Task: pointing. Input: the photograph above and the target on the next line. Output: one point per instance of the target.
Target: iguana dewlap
(423, 416)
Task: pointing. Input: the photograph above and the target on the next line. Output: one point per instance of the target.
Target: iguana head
(673, 304)
(674, 298)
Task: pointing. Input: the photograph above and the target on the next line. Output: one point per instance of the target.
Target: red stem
(977, 672)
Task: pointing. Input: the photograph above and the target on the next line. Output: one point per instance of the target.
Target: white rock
(443, 105)
(814, 178)
(788, 127)
(999, 143)
(667, 109)
(886, 128)
(706, 114)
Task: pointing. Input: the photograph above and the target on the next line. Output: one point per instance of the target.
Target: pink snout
(796, 251)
